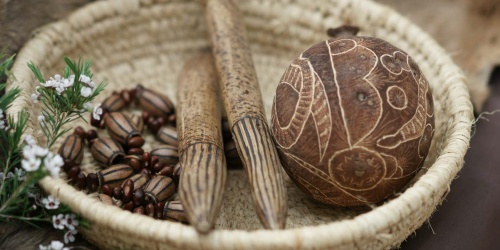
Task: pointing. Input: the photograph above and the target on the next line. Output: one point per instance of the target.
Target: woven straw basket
(147, 41)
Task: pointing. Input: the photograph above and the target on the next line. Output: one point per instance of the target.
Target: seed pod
(136, 142)
(121, 128)
(117, 193)
(168, 134)
(72, 149)
(139, 180)
(167, 171)
(138, 210)
(92, 182)
(114, 175)
(160, 188)
(128, 189)
(137, 121)
(106, 189)
(154, 103)
(173, 211)
(80, 132)
(113, 103)
(134, 161)
(106, 199)
(166, 154)
(150, 210)
(81, 181)
(106, 151)
(73, 174)
(138, 197)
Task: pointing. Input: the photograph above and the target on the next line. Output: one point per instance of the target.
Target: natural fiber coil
(148, 41)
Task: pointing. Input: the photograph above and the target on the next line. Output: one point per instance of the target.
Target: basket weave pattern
(147, 41)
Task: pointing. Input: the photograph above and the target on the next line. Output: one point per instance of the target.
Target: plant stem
(17, 192)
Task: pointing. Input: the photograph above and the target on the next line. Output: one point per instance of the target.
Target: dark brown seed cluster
(137, 181)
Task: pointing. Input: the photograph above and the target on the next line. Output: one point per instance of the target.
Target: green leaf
(36, 71)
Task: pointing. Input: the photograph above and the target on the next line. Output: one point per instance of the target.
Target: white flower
(85, 79)
(1, 113)
(50, 202)
(10, 175)
(86, 91)
(69, 236)
(87, 106)
(34, 97)
(21, 174)
(32, 151)
(57, 245)
(97, 112)
(50, 84)
(53, 164)
(32, 164)
(41, 119)
(30, 140)
(70, 221)
(57, 221)
(2, 125)
(42, 247)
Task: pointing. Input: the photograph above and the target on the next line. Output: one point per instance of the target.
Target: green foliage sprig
(63, 99)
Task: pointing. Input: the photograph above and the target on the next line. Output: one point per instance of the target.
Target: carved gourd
(353, 120)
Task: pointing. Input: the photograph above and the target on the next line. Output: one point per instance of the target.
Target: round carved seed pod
(353, 120)
(106, 151)
(121, 128)
(72, 149)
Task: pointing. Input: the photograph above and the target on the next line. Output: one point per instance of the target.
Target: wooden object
(364, 109)
(245, 111)
(203, 179)
(468, 29)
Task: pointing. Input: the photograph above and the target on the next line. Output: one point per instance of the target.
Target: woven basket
(147, 41)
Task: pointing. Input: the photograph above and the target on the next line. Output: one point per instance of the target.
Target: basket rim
(366, 225)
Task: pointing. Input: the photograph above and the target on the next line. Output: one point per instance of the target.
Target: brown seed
(73, 174)
(167, 171)
(106, 189)
(91, 134)
(72, 149)
(68, 164)
(154, 103)
(80, 132)
(153, 161)
(160, 188)
(138, 197)
(135, 151)
(166, 154)
(106, 199)
(106, 152)
(138, 210)
(117, 193)
(154, 127)
(129, 206)
(81, 181)
(173, 211)
(113, 103)
(92, 182)
(159, 209)
(134, 162)
(121, 128)
(146, 157)
(136, 142)
(168, 135)
(150, 210)
(171, 119)
(145, 117)
(128, 189)
(158, 167)
(115, 175)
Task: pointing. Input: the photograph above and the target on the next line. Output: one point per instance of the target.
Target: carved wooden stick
(203, 177)
(244, 107)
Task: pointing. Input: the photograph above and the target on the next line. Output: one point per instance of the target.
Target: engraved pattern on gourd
(364, 134)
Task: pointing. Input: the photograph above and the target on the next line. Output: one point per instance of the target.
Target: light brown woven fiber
(147, 41)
